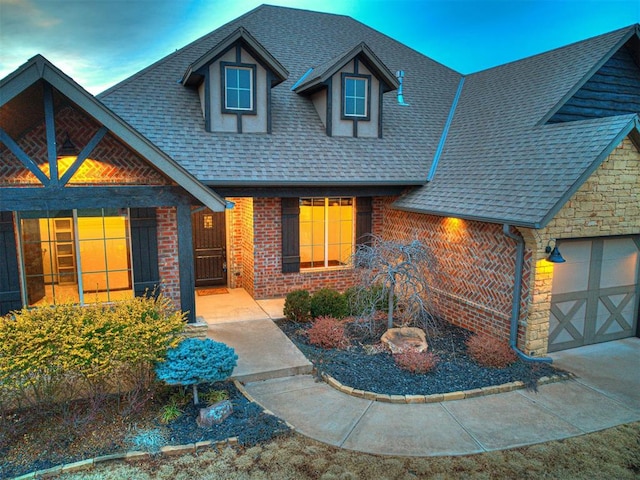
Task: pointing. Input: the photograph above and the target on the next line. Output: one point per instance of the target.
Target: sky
(101, 42)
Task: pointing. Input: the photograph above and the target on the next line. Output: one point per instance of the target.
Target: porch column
(185, 260)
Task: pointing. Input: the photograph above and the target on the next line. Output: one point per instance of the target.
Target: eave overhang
(317, 77)
(194, 76)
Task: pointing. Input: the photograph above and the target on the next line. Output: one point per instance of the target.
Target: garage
(595, 293)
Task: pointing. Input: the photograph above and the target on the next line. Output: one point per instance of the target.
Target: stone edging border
(437, 397)
(132, 456)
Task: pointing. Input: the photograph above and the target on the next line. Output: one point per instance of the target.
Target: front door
(209, 248)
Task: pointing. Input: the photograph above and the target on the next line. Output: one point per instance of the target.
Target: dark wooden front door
(209, 248)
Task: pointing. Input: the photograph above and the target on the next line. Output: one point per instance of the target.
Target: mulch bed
(378, 373)
(36, 439)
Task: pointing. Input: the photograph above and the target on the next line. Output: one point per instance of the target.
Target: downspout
(515, 302)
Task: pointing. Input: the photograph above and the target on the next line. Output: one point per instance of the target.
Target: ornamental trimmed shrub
(489, 351)
(328, 332)
(297, 306)
(59, 352)
(196, 361)
(416, 362)
(328, 302)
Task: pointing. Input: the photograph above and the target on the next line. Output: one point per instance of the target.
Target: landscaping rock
(215, 414)
(405, 338)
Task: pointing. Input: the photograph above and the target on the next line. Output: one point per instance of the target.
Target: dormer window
(355, 96)
(238, 87)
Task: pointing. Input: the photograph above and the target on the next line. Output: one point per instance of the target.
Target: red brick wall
(240, 250)
(269, 281)
(168, 264)
(111, 162)
(474, 265)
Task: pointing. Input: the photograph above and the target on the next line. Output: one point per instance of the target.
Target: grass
(608, 454)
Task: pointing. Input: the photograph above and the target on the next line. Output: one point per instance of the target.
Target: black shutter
(10, 298)
(144, 246)
(364, 209)
(290, 235)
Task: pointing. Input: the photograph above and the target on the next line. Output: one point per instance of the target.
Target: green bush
(328, 302)
(58, 352)
(297, 306)
(366, 301)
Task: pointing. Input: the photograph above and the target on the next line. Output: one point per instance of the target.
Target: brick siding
(168, 263)
(473, 267)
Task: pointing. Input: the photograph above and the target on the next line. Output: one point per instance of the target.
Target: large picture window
(326, 232)
(238, 87)
(78, 256)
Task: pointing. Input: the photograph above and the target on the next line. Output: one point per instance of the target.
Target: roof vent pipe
(515, 303)
(400, 76)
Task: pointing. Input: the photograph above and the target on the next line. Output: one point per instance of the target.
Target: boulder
(405, 338)
(215, 414)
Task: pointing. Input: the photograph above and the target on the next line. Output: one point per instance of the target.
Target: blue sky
(100, 42)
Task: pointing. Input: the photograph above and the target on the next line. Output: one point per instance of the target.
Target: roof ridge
(561, 47)
(170, 56)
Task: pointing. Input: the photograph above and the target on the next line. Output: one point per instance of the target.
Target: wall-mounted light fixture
(68, 149)
(554, 255)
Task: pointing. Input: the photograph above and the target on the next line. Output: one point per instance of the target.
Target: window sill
(325, 269)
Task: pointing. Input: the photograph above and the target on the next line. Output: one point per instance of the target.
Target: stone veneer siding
(268, 279)
(608, 203)
(473, 266)
(168, 264)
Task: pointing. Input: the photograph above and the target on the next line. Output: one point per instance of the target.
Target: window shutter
(364, 210)
(290, 235)
(10, 298)
(144, 246)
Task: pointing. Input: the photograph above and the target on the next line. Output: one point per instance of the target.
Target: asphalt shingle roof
(298, 151)
(501, 162)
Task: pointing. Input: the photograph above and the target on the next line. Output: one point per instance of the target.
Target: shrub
(297, 306)
(55, 353)
(416, 362)
(488, 351)
(328, 332)
(328, 302)
(363, 301)
(196, 361)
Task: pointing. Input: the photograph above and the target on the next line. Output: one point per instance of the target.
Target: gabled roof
(39, 68)
(501, 162)
(192, 76)
(320, 74)
(298, 151)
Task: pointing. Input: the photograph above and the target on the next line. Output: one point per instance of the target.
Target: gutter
(515, 302)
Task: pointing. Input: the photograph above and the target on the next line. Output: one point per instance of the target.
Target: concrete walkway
(605, 393)
(264, 352)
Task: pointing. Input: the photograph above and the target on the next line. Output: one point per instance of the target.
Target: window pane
(244, 99)
(359, 108)
(244, 80)
(349, 106)
(232, 77)
(349, 87)
(360, 87)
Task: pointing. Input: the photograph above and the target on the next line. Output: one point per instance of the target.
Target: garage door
(595, 293)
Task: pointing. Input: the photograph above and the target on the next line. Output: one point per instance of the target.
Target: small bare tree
(394, 273)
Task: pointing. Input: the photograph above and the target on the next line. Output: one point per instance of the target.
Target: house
(318, 130)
